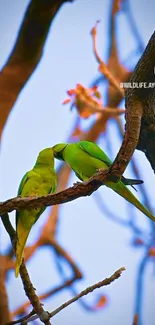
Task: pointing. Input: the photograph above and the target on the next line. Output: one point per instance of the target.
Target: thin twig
(112, 111)
(98, 285)
(102, 67)
(43, 296)
(22, 319)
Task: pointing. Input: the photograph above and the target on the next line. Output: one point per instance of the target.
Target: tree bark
(145, 72)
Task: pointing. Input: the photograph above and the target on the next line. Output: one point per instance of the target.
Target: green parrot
(86, 158)
(41, 180)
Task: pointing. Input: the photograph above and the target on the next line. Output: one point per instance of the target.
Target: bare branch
(98, 285)
(140, 113)
(27, 284)
(133, 114)
(145, 73)
(20, 320)
(43, 296)
(26, 53)
(34, 299)
(103, 68)
(134, 111)
(114, 65)
(70, 194)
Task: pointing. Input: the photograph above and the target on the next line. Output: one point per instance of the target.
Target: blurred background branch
(26, 53)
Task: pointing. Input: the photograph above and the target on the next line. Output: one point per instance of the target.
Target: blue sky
(38, 120)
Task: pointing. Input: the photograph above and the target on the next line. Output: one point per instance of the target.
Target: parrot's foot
(109, 177)
(100, 170)
(77, 183)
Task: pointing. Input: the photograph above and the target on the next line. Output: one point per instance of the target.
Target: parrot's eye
(58, 150)
(58, 155)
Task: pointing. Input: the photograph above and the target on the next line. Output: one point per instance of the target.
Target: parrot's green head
(46, 157)
(58, 150)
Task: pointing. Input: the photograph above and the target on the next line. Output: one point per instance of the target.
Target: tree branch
(140, 113)
(27, 284)
(43, 296)
(134, 111)
(30, 292)
(102, 66)
(70, 194)
(133, 120)
(26, 53)
(22, 319)
(79, 189)
(145, 72)
(98, 285)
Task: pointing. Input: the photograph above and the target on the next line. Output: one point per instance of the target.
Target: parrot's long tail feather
(21, 241)
(122, 190)
(130, 181)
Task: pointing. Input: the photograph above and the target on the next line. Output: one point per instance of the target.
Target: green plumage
(41, 180)
(85, 158)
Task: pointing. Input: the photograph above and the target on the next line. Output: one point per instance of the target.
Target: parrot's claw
(77, 183)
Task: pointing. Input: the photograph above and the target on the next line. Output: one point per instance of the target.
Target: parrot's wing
(53, 183)
(93, 150)
(33, 183)
(22, 183)
(52, 189)
(30, 177)
(24, 180)
(78, 175)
